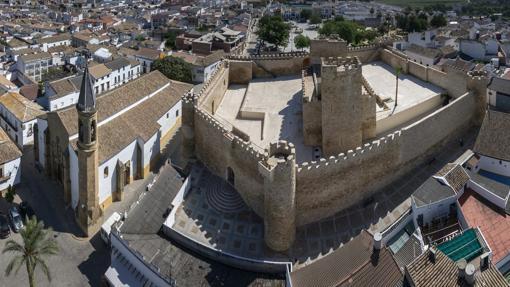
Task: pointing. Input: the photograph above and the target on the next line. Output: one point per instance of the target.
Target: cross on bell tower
(88, 209)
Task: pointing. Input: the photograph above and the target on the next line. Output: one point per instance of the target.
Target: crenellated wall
(211, 94)
(329, 185)
(454, 81)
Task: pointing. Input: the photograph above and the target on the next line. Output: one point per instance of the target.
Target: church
(99, 146)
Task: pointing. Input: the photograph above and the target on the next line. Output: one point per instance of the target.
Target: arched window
(93, 129)
(105, 172)
(80, 130)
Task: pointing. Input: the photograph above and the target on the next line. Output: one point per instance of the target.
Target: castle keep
(303, 142)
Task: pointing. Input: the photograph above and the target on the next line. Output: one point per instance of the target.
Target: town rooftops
(117, 63)
(442, 271)
(65, 86)
(98, 71)
(494, 137)
(6, 84)
(354, 264)
(423, 51)
(36, 57)
(22, 108)
(54, 39)
(500, 85)
(456, 177)
(147, 53)
(8, 149)
(432, 190)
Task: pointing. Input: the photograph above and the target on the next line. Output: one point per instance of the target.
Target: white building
(64, 92)
(34, 65)
(10, 162)
(18, 116)
(53, 41)
(134, 122)
(482, 50)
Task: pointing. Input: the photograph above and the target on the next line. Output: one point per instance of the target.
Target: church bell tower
(88, 210)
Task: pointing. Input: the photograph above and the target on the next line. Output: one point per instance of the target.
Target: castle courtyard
(416, 98)
(267, 109)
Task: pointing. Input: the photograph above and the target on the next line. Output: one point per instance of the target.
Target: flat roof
(411, 90)
(492, 221)
(280, 100)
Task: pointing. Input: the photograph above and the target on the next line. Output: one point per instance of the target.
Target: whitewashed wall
(12, 168)
(494, 165)
(169, 122)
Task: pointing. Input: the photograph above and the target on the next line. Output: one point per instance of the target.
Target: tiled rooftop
(492, 221)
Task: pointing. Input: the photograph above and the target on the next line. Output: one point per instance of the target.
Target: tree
(9, 195)
(305, 14)
(37, 244)
(170, 37)
(139, 38)
(438, 21)
(301, 41)
(350, 31)
(315, 19)
(274, 30)
(174, 68)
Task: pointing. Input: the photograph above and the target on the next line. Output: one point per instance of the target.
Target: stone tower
(342, 105)
(88, 210)
(477, 83)
(188, 126)
(279, 172)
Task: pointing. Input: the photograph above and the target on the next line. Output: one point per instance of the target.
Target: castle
(303, 136)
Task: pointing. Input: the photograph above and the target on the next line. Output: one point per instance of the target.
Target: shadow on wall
(97, 263)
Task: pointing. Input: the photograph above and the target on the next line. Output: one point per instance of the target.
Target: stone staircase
(222, 196)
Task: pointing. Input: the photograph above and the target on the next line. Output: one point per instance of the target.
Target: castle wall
(326, 48)
(312, 123)
(219, 149)
(330, 185)
(240, 72)
(365, 54)
(270, 65)
(214, 91)
(454, 82)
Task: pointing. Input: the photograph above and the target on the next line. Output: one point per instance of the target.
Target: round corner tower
(279, 172)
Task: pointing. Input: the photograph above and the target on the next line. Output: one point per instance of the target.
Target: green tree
(315, 19)
(170, 37)
(140, 38)
(273, 30)
(301, 41)
(437, 21)
(174, 68)
(37, 244)
(305, 14)
(350, 31)
(9, 195)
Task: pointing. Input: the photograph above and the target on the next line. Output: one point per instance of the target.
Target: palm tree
(36, 245)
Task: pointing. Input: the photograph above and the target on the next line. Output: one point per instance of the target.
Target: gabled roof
(354, 264)
(22, 108)
(500, 85)
(432, 190)
(494, 137)
(423, 272)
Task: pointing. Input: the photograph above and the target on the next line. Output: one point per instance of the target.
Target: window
(177, 113)
(105, 172)
(167, 115)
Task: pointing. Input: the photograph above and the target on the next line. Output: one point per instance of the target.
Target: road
(81, 261)
(312, 34)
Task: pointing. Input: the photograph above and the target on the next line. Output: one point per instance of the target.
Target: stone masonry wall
(240, 72)
(454, 82)
(330, 185)
(213, 91)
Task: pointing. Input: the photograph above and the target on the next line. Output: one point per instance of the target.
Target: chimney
(432, 254)
(461, 267)
(377, 241)
(484, 261)
(470, 274)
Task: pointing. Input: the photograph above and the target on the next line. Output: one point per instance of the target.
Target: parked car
(26, 210)
(5, 231)
(15, 217)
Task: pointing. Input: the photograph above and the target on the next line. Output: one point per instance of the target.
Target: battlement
(282, 150)
(478, 75)
(363, 47)
(272, 56)
(248, 147)
(375, 147)
(189, 98)
(214, 77)
(341, 64)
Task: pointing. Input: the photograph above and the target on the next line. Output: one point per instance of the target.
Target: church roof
(87, 98)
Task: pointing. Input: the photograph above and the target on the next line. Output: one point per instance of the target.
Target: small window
(177, 113)
(167, 115)
(105, 172)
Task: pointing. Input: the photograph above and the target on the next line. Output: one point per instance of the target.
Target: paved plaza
(241, 232)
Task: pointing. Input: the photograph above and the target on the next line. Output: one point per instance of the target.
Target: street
(80, 262)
